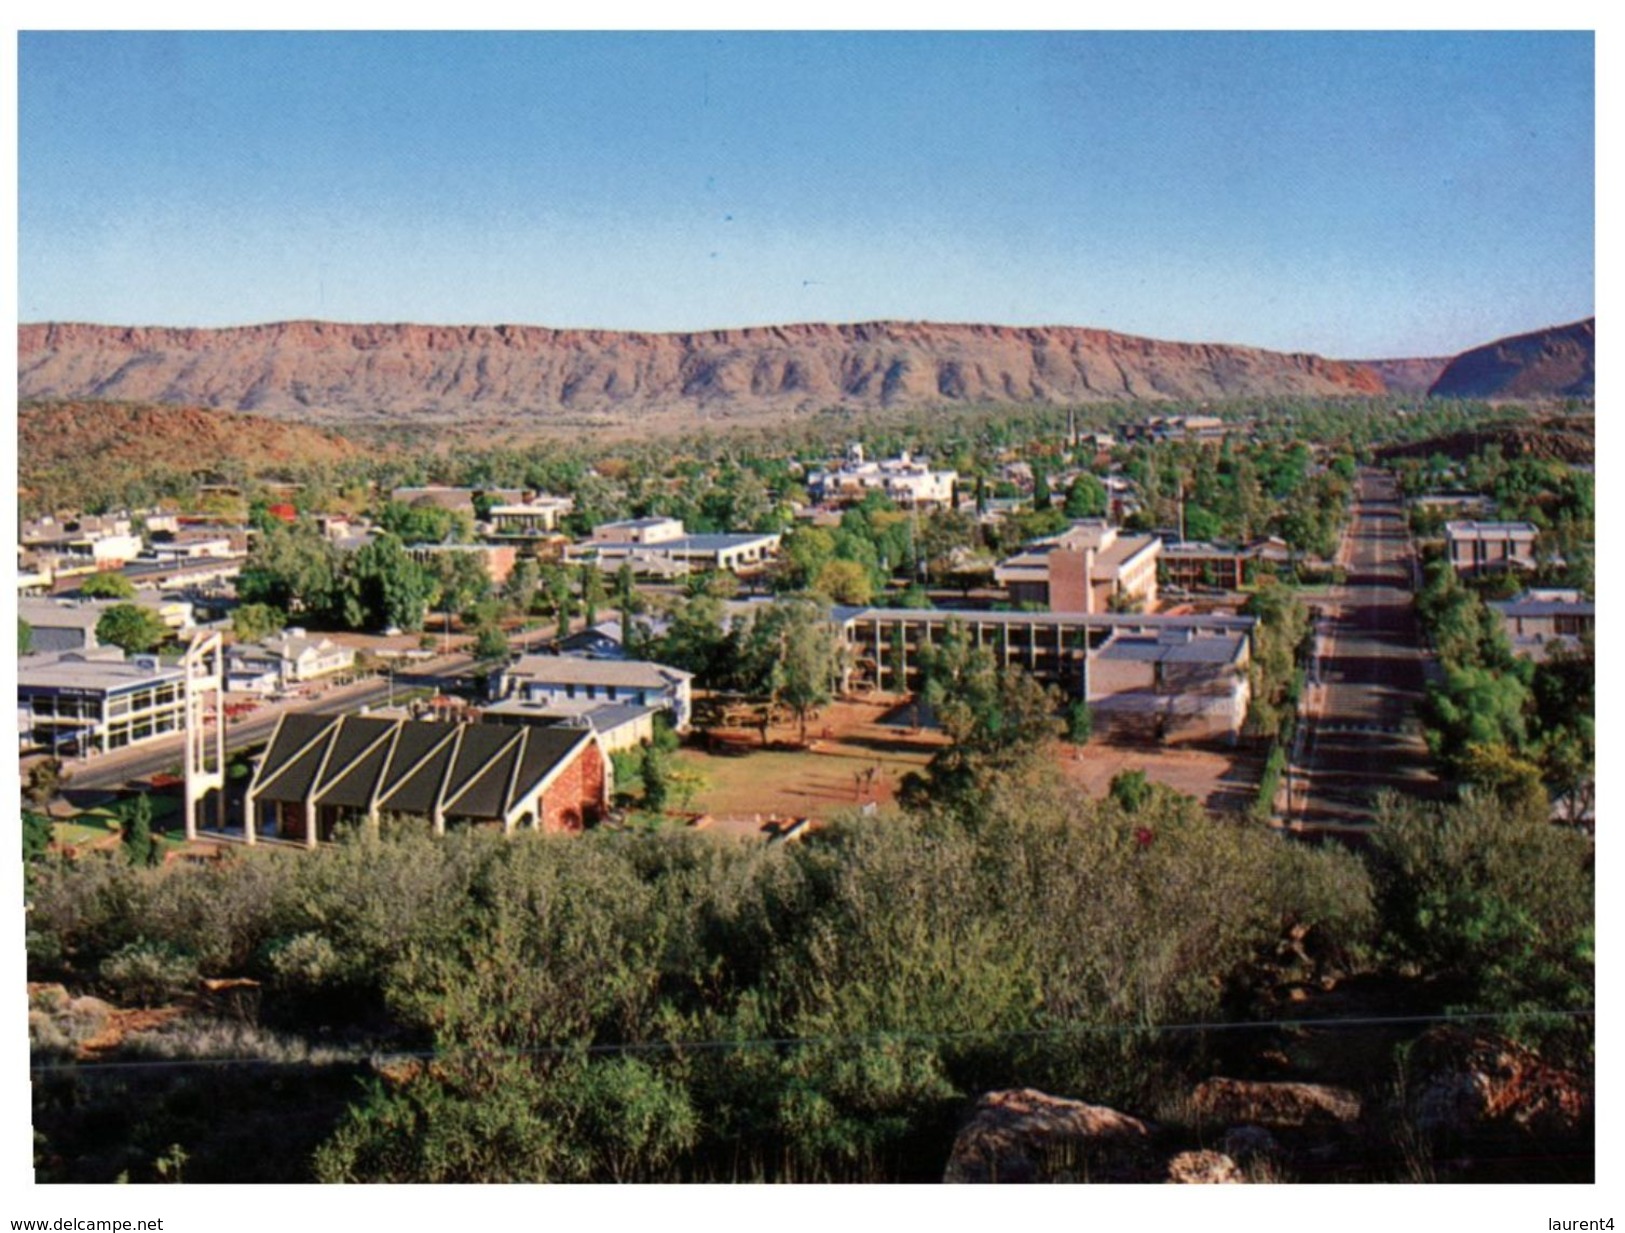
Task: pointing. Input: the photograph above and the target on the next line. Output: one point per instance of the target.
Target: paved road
(1363, 734)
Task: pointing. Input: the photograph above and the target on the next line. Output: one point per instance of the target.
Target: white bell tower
(205, 666)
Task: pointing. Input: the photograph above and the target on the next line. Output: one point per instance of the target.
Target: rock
(355, 373)
(1465, 1083)
(1275, 1104)
(1203, 1169)
(1028, 1136)
(1248, 1143)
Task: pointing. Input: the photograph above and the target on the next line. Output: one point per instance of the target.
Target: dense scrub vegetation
(654, 1006)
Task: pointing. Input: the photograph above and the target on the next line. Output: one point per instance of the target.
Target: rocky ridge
(1558, 362)
(326, 371)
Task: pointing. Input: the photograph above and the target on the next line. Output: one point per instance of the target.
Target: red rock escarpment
(314, 369)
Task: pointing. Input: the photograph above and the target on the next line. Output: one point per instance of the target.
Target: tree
(521, 586)
(45, 779)
(1489, 898)
(36, 835)
(1085, 497)
(131, 627)
(1130, 790)
(1080, 722)
(252, 622)
(794, 656)
(804, 553)
(593, 595)
(458, 579)
(490, 642)
(657, 778)
(383, 587)
(292, 568)
(135, 833)
(425, 524)
(108, 584)
(996, 715)
(844, 582)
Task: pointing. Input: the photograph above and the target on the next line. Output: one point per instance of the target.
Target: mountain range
(342, 374)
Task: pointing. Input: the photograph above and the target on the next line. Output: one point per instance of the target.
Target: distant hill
(1559, 362)
(72, 452)
(529, 376)
(1407, 376)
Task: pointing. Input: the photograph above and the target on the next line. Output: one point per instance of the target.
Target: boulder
(1245, 1143)
(1462, 1084)
(1236, 1101)
(1028, 1136)
(1203, 1169)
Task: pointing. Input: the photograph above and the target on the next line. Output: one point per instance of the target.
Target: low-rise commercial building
(571, 678)
(1090, 567)
(661, 546)
(1160, 677)
(97, 700)
(1474, 546)
(904, 480)
(282, 660)
(538, 517)
(1541, 619)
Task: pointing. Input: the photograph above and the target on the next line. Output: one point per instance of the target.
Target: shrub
(148, 973)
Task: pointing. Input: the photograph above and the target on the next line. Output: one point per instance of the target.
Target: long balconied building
(1171, 677)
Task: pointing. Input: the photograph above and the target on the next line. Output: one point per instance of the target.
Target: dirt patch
(852, 758)
(1225, 781)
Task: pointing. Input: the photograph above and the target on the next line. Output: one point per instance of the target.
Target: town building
(538, 517)
(618, 725)
(60, 624)
(904, 480)
(1195, 563)
(662, 547)
(1473, 546)
(97, 700)
(322, 772)
(1541, 619)
(283, 660)
(1157, 677)
(496, 559)
(571, 678)
(1090, 567)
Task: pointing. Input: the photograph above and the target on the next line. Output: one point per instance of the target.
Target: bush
(149, 973)
(1493, 901)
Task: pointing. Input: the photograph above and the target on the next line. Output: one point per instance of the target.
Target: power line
(716, 1044)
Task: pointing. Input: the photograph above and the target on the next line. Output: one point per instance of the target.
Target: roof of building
(1471, 528)
(93, 671)
(1128, 621)
(602, 716)
(1215, 649)
(45, 613)
(471, 771)
(719, 542)
(628, 523)
(576, 670)
(1526, 606)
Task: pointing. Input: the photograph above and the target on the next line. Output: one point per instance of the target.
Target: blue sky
(1357, 195)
